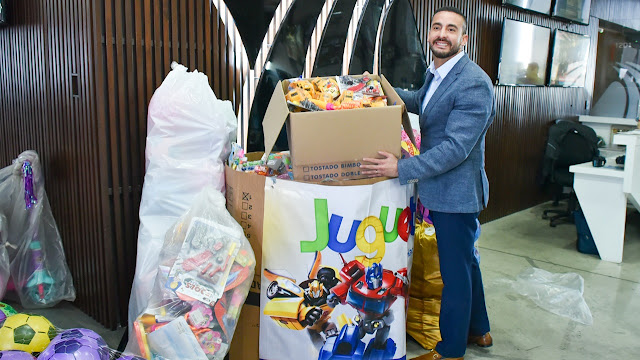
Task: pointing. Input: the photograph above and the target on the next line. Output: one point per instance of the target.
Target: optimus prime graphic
(371, 291)
(303, 306)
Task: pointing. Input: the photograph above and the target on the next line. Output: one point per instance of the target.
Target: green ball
(5, 312)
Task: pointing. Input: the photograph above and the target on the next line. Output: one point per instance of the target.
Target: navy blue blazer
(450, 168)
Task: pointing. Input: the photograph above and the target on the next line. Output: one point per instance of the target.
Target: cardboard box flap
(274, 118)
(394, 99)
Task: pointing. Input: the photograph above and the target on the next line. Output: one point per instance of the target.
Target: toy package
(334, 93)
(336, 262)
(39, 270)
(274, 165)
(205, 271)
(408, 149)
(423, 315)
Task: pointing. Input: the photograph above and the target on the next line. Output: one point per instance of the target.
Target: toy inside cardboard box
(331, 144)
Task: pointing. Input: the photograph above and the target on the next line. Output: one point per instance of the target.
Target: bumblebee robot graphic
(305, 305)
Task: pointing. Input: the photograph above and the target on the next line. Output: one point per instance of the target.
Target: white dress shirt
(438, 75)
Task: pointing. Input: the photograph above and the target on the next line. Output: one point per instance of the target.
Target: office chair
(569, 143)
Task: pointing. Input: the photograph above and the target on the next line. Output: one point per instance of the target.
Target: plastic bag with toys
(40, 276)
(204, 275)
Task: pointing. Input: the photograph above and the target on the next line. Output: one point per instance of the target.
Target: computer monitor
(569, 59)
(3, 12)
(523, 54)
(573, 10)
(540, 6)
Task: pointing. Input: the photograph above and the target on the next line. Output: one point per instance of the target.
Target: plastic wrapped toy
(78, 344)
(74, 349)
(38, 267)
(16, 355)
(25, 332)
(275, 165)
(204, 275)
(423, 315)
(407, 148)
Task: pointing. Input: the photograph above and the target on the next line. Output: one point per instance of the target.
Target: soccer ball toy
(25, 332)
(74, 349)
(15, 355)
(79, 334)
(5, 312)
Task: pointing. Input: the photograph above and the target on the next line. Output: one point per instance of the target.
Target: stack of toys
(334, 93)
(205, 272)
(275, 165)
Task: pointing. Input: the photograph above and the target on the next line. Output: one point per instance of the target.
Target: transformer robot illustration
(371, 291)
(303, 306)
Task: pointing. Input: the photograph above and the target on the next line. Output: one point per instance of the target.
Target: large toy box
(332, 144)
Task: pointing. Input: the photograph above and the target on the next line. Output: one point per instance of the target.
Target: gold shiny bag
(425, 293)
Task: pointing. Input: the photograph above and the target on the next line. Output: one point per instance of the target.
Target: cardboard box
(332, 144)
(245, 202)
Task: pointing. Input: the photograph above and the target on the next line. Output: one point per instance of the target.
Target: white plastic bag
(38, 267)
(4, 257)
(206, 268)
(188, 138)
(560, 294)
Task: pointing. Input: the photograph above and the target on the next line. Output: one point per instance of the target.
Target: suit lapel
(423, 90)
(446, 82)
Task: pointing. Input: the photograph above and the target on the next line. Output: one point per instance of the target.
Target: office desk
(603, 125)
(603, 193)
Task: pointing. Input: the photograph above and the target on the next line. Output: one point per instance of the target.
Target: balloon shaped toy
(75, 349)
(79, 333)
(15, 355)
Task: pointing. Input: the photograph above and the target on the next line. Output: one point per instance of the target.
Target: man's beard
(443, 55)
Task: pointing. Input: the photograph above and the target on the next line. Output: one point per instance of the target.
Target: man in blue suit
(456, 107)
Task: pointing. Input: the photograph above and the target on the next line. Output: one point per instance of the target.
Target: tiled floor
(522, 330)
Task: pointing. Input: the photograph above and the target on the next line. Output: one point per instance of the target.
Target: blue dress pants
(463, 311)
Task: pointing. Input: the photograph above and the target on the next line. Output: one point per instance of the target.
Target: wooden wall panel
(515, 141)
(136, 43)
(47, 104)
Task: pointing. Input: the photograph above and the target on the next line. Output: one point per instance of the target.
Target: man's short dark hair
(453, 10)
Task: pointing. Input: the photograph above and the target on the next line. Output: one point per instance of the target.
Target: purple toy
(74, 349)
(15, 355)
(79, 333)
